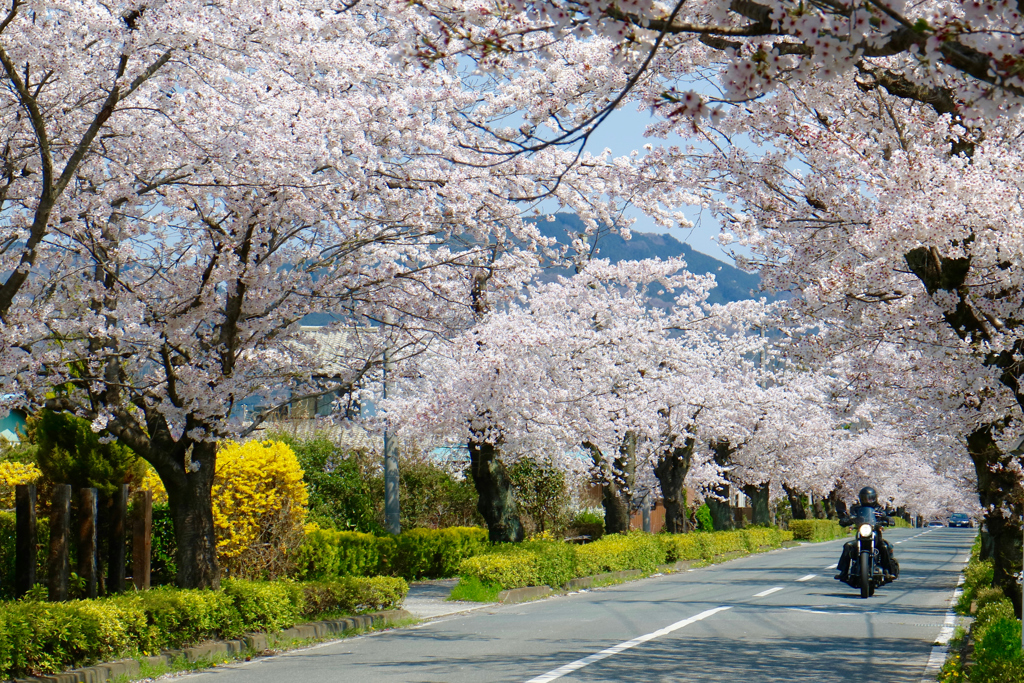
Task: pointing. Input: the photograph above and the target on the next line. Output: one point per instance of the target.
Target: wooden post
(118, 521)
(142, 539)
(87, 513)
(25, 539)
(60, 531)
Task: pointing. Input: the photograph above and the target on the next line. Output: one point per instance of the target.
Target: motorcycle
(866, 572)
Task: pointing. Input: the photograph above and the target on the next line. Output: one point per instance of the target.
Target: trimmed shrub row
(44, 637)
(414, 554)
(554, 563)
(816, 529)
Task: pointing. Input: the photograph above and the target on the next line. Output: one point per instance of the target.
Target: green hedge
(46, 637)
(414, 554)
(554, 563)
(635, 550)
(7, 543)
(816, 529)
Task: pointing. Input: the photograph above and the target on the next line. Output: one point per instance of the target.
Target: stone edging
(253, 642)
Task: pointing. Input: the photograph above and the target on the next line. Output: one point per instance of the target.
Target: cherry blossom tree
(276, 163)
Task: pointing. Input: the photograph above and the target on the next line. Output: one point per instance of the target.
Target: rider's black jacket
(885, 551)
(880, 515)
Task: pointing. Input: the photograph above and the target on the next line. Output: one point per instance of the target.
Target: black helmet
(868, 497)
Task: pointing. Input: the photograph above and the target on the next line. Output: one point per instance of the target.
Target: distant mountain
(733, 283)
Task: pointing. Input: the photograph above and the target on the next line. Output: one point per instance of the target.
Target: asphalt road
(777, 616)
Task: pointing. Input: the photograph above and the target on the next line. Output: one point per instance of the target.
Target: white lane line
(834, 565)
(616, 649)
(768, 592)
(807, 578)
(938, 655)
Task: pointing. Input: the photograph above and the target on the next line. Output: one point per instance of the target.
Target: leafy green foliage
(997, 653)
(436, 553)
(69, 452)
(163, 565)
(7, 550)
(541, 492)
(342, 484)
(417, 553)
(51, 637)
(816, 529)
(554, 563)
(615, 552)
(511, 569)
(704, 519)
(471, 589)
(433, 498)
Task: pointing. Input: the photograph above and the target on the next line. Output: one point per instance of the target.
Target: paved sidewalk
(429, 599)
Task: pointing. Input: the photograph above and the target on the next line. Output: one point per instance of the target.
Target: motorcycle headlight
(864, 530)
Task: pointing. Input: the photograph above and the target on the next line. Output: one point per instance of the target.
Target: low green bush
(554, 563)
(42, 637)
(506, 569)
(705, 546)
(436, 553)
(635, 550)
(997, 656)
(414, 554)
(816, 529)
(977, 576)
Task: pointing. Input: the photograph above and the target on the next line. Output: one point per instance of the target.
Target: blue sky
(622, 133)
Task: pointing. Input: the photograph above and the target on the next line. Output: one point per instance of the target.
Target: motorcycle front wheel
(865, 574)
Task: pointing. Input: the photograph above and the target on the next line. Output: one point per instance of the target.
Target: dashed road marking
(807, 578)
(769, 592)
(614, 650)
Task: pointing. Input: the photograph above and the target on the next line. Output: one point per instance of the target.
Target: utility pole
(391, 505)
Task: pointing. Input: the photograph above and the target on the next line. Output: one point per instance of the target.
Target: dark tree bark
(617, 478)
(999, 494)
(758, 495)
(839, 505)
(819, 509)
(998, 489)
(796, 502)
(671, 471)
(719, 503)
(186, 469)
(494, 489)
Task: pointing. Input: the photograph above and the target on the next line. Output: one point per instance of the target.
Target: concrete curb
(588, 581)
(514, 595)
(253, 642)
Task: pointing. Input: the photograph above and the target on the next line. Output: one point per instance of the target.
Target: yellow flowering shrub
(12, 474)
(259, 507)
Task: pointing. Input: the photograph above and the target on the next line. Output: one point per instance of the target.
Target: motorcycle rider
(868, 497)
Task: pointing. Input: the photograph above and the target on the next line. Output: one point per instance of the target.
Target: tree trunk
(719, 502)
(190, 496)
(616, 483)
(758, 495)
(494, 490)
(795, 502)
(999, 494)
(819, 509)
(616, 510)
(671, 471)
(838, 504)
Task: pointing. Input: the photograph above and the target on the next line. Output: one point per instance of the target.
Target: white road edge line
(614, 650)
(938, 655)
(807, 578)
(769, 592)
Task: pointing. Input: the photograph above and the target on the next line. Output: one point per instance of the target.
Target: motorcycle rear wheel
(865, 575)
